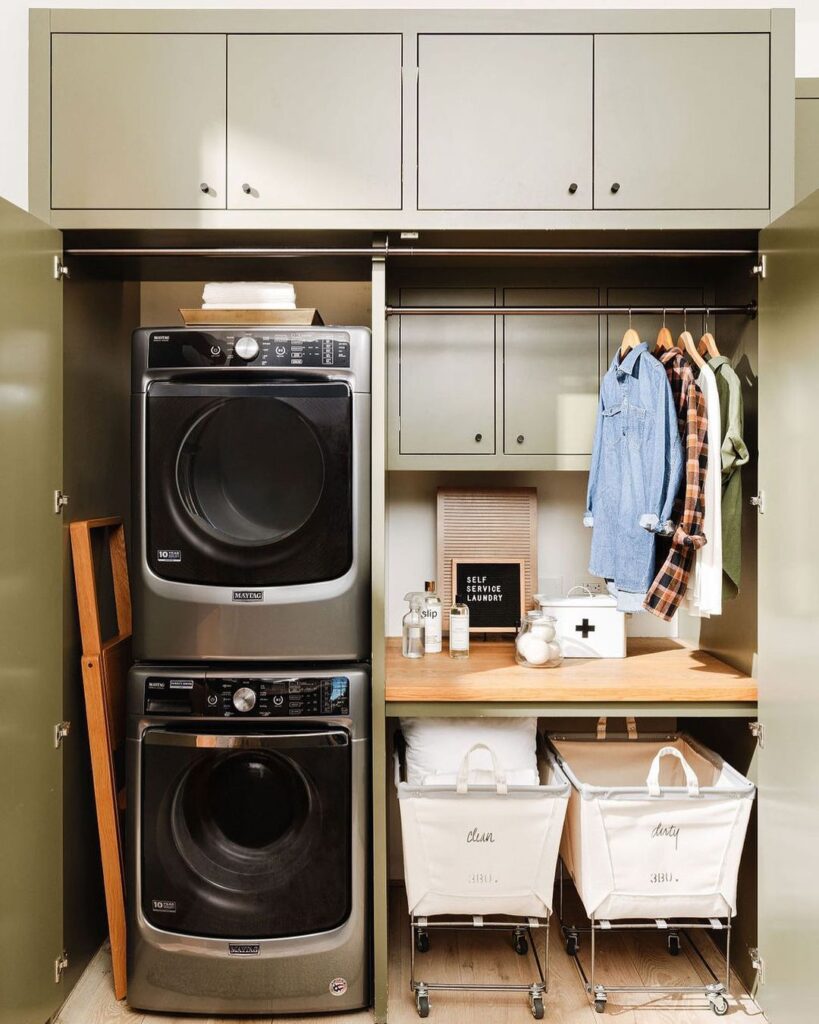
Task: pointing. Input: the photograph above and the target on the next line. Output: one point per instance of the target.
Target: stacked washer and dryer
(248, 706)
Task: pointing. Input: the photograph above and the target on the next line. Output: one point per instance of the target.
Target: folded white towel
(221, 292)
(248, 305)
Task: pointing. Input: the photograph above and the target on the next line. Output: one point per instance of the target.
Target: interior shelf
(666, 674)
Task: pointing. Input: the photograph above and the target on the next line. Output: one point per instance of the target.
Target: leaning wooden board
(105, 664)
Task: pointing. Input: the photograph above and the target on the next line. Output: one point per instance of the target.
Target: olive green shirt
(734, 456)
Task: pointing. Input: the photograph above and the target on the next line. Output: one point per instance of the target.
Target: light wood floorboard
(465, 957)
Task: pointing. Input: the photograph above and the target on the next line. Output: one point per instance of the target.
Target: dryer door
(246, 836)
(249, 484)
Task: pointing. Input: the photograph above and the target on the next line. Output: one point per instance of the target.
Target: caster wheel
(674, 944)
(600, 1005)
(572, 944)
(537, 1007)
(422, 941)
(422, 1005)
(720, 1006)
(520, 944)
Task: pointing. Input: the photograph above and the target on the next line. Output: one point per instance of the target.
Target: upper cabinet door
(681, 121)
(138, 121)
(504, 122)
(314, 122)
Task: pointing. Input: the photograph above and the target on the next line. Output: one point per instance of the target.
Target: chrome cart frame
(716, 992)
(523, 938)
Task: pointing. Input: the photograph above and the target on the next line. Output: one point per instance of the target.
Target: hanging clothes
(704, 596)
(635, 474)
(734, 454)
(676, 556)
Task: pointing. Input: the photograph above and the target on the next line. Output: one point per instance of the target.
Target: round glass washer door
(251, 471)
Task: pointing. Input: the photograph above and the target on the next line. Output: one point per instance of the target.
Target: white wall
(14, 51)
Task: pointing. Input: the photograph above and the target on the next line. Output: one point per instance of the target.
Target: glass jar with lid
(536, 645)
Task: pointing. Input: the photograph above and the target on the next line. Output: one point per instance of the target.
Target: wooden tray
(251, 317)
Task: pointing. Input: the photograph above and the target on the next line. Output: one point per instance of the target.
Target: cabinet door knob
(572, 188)
(479, 438)
(205, 187)
(246, 189)
(520, 438)
(615, 186)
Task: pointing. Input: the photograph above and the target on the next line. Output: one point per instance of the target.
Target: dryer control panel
(253, 347)
(247, 696)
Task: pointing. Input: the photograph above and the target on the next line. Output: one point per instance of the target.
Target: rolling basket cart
(653, 839)
(482, 856)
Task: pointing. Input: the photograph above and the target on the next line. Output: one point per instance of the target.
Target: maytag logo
(168, 555)
(244, 948)
(248, 595)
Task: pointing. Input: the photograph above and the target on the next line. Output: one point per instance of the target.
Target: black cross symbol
(585, 628)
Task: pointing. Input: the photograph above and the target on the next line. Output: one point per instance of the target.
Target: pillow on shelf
(436, 746)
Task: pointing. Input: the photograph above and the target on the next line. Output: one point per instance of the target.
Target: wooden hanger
(631, 339)
(665, 341)
(687, 344)
(707, 345)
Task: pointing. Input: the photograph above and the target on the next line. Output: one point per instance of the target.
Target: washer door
(249, 484)
(246, 836)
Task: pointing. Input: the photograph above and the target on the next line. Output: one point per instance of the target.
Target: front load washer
(251, 494)
(247, 841)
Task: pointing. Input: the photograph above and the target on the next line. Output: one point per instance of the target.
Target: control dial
(246, 348)
(244, 699)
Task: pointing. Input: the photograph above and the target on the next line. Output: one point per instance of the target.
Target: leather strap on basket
(653, 778)
(631, 727)
(463, 772)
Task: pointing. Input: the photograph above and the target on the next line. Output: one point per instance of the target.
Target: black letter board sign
(493, 588)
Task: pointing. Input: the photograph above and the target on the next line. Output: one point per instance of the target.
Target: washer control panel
(257, 348)
(237, 697)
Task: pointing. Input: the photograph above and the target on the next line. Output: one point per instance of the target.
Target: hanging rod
(749, 309)
(367, 252)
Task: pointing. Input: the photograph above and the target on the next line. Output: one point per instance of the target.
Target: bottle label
(432, 630)
(458, 633)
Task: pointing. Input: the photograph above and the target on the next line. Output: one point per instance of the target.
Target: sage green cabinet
(807, 137)
(137, 121)
(681, 121)
(551, 374)
(504, 122)
(447, 375)
(314, 122)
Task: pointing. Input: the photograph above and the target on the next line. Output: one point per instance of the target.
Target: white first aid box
(588, 626)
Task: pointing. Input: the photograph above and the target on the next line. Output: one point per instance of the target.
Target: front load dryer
(247, 852)
(251, 494)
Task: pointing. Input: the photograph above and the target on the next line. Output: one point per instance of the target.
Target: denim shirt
(636, 470)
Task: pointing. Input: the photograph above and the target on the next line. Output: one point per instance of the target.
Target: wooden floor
(463, 957)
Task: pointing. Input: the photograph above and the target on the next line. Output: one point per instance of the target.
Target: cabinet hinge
(758, 501)
(758, 964)
(60, 501)
(60, 269)
(760, 269)
(757, 730)
(61, 730)
(60, 965)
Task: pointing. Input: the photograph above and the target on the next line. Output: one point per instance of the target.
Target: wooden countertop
(654, 670)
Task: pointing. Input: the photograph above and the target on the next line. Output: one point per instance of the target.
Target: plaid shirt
(668, 589)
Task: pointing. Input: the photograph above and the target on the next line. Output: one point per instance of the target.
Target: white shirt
(704, 596)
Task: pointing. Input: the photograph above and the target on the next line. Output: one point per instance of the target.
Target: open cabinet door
(31, 602)
(789, 616)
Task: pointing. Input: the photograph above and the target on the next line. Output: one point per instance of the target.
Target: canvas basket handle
(631, 727)
(653, 777)
(463, 772)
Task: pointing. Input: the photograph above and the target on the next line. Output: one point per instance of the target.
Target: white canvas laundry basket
(655, 827)
(482, 849)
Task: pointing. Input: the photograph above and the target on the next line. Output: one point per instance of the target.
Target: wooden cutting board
(251, 317)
